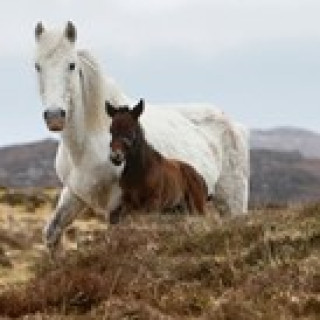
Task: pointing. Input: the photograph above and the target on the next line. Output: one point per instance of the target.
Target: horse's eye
(72, 66)
(37, 67)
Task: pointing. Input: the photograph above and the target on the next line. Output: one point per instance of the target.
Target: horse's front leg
(66, 210)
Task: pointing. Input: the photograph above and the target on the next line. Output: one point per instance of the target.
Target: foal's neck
(139, 161)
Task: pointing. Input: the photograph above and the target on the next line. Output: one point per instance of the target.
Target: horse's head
(124, 130)
(56, 64)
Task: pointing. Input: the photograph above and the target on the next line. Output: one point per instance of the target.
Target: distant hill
(28, 165)
(276, 176)
(283, 177)
(287, 139)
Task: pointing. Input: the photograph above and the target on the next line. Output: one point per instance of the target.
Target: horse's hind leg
(232, 188)
(232, 194)
(67, 208)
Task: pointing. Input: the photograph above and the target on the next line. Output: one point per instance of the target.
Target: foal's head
(125, 130)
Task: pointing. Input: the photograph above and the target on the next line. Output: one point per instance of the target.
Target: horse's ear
(138, 109)
(70, 32)
(38, 31)
(110, 109)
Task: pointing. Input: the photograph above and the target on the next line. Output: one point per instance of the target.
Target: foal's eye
(72, 66)
(37, 67)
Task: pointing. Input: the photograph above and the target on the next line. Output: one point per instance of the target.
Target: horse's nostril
(63, 113)
(116, 156)
(45, 114)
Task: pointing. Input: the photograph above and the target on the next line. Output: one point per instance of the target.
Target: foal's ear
(39, 29)
(110, 109)
(138, 109)
(70, 32)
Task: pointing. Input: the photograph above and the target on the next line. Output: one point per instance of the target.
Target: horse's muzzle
(117, 158)
(55, 119)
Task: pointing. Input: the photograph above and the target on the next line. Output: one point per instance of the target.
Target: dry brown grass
(263, 266)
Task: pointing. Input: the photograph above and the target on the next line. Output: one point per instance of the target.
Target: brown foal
(150, 181)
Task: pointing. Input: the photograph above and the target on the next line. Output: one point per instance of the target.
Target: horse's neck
(88, 116)
(136, 168)
(73, 136)
(139, 164)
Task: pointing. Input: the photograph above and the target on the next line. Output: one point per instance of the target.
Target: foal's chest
(135, 198)
(135, 194)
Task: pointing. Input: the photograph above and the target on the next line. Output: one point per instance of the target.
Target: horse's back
(174, 136)
(182, 186)
(231, 141)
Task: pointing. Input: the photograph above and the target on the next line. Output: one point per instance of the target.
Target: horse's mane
(92, 90)
(96, 89)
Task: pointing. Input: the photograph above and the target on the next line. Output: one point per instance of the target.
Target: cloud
(135, 27)
(256, 59)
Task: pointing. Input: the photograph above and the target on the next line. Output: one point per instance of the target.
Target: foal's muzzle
(55, 119)
(117, 157)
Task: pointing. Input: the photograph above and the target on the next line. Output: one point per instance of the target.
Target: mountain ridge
(282, 170)
(305, 141)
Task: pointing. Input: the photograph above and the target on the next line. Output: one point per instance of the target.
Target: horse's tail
(196, 191)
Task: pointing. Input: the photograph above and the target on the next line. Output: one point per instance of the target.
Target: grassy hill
(262, 266)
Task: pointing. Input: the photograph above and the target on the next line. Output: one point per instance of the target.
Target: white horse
(74, 92)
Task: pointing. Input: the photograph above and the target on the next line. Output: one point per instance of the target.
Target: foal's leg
(195, 189)
(66, 210)
(154, 202)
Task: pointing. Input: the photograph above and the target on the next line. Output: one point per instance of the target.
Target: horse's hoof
(54, 250)
(51, 244)
(116, 215)
(114, 218)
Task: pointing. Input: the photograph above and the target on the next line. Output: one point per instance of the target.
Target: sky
(258, 60)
